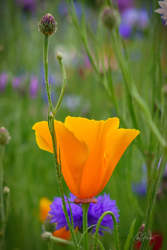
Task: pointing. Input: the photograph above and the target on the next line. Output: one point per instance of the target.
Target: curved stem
(115, 229)
(84, 233)
(85, 207)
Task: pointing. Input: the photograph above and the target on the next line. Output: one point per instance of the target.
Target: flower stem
(51, 115)
(63, 85)
(48, 236)
(46, 71)
(85, 223)
(115, 229)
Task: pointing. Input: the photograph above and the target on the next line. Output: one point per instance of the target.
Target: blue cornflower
(104, 203)
(133, 19)
(58, 215)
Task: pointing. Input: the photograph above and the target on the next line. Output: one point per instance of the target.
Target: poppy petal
(94, 134)
(74, 154)
(117, 142)
(43, 136)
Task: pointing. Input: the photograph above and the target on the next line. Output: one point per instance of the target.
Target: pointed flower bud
(110, 17)
(47, 25)
(4, 136)
(59, 56)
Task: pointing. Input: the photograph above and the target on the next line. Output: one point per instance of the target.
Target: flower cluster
(104, 203)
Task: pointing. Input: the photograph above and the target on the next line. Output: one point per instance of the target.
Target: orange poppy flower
(89, 151)
(44, 208)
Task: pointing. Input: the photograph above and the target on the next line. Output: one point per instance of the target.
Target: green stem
(46, 71)
(59, 179)
(52, 130)
(63, 86)
(50, 237)
(85, 224)
(115, 229)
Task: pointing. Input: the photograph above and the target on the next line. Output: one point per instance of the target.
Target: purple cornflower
(3, 81)
(104, 203)
(33, 86)
(133, 19)
(58, 214)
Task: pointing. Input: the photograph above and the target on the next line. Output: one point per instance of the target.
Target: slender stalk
(51, 239)
(115, 229)
(85, 224)
(52, 130)
(63, 85)
(56, 239)
(46, 71)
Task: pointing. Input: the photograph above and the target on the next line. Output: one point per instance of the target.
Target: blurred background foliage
(29, 171)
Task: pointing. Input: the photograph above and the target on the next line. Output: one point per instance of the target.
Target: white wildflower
(163, 10)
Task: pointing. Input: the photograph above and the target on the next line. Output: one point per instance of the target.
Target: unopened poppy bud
(110, 17)
(47, 25)
(6, 190)
(59, 56)
(4, 136)
(49, 227)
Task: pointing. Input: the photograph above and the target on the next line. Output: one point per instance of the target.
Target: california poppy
(89, 151)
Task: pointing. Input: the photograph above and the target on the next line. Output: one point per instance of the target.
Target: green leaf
(129, 238)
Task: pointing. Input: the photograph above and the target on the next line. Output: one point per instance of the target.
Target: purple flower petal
(94, 212)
